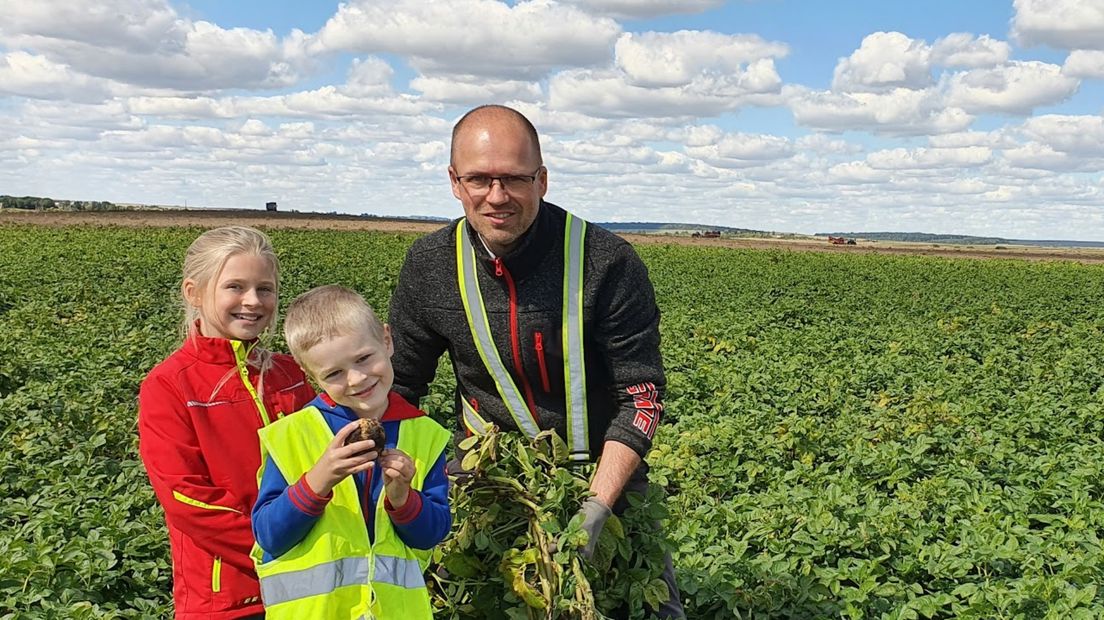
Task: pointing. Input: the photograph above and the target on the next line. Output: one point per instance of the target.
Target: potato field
(855, 436)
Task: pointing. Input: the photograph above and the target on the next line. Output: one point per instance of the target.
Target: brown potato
(368, 429)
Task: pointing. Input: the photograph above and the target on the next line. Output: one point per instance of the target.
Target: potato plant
(515, 549)
(853, 436)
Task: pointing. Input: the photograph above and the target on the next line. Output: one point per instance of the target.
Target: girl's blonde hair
(204, 261)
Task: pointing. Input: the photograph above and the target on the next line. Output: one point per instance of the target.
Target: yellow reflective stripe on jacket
(574, 358)
(334, 572)
(574, 362)
(216, 575)
(241, 356)
(476, 314)
(180, 497)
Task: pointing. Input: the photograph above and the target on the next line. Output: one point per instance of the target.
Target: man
(549, 322)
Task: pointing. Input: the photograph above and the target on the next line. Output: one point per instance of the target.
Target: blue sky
(972, 117)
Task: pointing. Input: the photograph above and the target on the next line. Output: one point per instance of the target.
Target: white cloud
(138, 25)
(679, 58)
(1015, 88)
(38, 77)
(595, 157)
(856, 173)
(927, 159)
(53, 118)
(473, 90)
(641, 9)
(399, 152)
(608, 94)
(822, 144)
(674, 75)
(324, 102)
(900, 111)
(369, 77)
(254, 127)
(990, 139)
(884, 61)
(743, 151)
(1041, 156)
(473, 37)
(1085, 64)
(146, 44)
(1080, 136)
(550, 121)
(962, 49)
(1061, 24)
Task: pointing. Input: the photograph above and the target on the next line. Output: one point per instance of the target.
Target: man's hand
(455, 469)
(595, 514)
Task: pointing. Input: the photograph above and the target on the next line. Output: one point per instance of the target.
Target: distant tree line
(36, 203)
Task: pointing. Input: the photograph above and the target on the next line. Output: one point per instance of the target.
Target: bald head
(494, 117)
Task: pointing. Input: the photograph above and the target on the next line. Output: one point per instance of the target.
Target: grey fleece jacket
(625, 380)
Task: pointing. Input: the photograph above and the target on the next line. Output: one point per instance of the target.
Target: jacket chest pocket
(287, 400)
(545, 348)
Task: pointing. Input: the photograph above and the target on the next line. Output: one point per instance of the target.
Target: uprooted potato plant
(516, 542)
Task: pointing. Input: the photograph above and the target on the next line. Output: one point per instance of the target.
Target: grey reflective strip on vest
(401, 572)
(574, 364)
(314, 581)
(481, 333)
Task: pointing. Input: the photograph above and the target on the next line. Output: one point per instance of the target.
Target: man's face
(503, 211)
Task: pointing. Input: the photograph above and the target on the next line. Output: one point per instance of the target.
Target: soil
(207, 218)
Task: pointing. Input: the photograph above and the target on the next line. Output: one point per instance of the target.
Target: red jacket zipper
(538, 344)
(500, 271)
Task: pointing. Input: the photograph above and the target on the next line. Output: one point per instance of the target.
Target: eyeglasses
(511, 183)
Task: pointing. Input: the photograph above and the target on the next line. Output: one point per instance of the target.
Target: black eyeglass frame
(504, 181)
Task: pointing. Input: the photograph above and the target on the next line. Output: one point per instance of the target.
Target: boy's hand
(398, 471)
(340, 460)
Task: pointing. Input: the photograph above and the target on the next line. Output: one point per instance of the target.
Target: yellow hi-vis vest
(574, 364)
(335, 572)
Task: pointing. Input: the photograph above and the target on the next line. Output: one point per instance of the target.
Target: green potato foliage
(853, 436)
(515, 550)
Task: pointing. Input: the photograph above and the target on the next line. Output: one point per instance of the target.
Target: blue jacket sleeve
(433, 522)
(284, 514)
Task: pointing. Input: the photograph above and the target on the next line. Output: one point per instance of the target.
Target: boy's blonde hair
(326, 312)
(206, 257)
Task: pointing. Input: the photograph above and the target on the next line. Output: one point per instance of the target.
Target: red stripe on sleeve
(409, 511)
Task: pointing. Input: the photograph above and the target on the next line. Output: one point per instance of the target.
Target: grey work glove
(455, 469)
(595, 514)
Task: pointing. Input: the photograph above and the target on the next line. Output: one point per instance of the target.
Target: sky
(978, 117)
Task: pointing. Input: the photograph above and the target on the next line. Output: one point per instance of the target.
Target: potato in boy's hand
(368, 428)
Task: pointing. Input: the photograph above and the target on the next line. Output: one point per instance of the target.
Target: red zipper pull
(498, 267)
(538, 345)
(475, 404)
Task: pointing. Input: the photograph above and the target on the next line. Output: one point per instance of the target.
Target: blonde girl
(198, 415)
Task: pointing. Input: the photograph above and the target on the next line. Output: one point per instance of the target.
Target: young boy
(345, 531)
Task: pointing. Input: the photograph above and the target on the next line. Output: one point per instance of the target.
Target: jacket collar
(213, 350)
(397, 408)
(535, 243)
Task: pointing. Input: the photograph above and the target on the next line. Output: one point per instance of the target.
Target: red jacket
(201, 452)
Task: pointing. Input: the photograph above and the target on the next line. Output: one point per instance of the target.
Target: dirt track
(314, 221)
